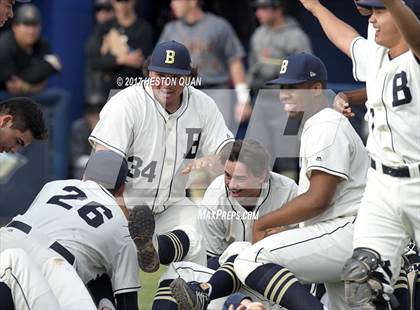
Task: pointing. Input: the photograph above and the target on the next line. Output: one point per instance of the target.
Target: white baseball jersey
(85, 218)
(330, 144)
(393, 111)
(158, 145)
(223, 220)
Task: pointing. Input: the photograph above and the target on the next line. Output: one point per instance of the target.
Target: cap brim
(169, 70)
(284, 81)
(370, 4)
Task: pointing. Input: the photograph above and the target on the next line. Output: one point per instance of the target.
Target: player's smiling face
(292, 97)
(12, 139)
(241, 182)
(387, 33)
(167, 89)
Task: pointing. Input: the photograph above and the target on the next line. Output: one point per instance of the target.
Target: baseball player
(329, 192)
(22, 285)
(81, 221)
(162, 126)
(21, 121)
(388, 214)
(246, 191)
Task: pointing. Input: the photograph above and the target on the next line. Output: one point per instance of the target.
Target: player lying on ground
(82, 222)
(389, 214)
(332, 179)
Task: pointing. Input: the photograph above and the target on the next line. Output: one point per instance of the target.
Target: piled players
(330, 188)
(161, 126)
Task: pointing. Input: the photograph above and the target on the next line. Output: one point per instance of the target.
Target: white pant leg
(184, 216)
(314, 254)
(388, 216)
(30, 290)
(64, 281)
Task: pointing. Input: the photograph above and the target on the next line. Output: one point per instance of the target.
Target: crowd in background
(229, 54)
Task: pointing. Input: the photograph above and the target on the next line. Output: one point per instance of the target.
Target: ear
(263, 177)
(317, 89)
(6, 121)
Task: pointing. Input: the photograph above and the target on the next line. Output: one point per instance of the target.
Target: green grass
(149, 282)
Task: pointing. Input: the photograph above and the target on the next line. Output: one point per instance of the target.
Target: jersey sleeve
(125, 270)
(360, 49)
(323, 151)
(231, 45)
(116, 125)
(215, 132)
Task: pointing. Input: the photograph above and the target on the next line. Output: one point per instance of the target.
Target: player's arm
(345, 99)
(339, 33)
(304, 207)
(243, 107)
(407, 23)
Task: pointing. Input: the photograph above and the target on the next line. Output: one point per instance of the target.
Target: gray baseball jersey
(223, 220)
(85, 218)
(212, 43)
(158, 145)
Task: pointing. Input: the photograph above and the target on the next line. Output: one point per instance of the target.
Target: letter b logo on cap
(284, 65)
(170, 57)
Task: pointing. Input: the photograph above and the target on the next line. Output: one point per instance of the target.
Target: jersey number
(399, 87)
(136, 170)
(89, 212)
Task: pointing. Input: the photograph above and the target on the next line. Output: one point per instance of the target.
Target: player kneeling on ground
(80, 221)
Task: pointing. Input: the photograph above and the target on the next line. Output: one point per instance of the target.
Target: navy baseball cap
(301, 68)
(414, 5)
(267, 3)
(171, 57)
(107, 168)
(234, 300)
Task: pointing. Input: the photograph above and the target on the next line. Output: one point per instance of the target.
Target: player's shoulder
(215, 193)
(200, 100)
(217, 21)
(282, 182)
(58, 185)
(325, 118)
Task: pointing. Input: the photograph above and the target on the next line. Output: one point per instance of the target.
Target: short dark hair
(27, 115)
(249, 152)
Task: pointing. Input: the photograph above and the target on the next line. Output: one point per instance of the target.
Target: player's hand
(243, 111)
(342, 105)
(211, 163)
(310, 5)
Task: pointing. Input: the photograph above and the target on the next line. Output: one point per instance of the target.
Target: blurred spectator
(6, 11)
(118, 48)
(80, 149)
(26, 63)
(215, 50)
(278, 36)
(94, 79)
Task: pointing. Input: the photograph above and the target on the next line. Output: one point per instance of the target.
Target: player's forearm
(337, 31)
(407, 23)
(356, 96)
(301, 208)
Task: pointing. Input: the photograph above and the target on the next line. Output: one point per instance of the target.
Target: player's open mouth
(289, 107)
(235, 192)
